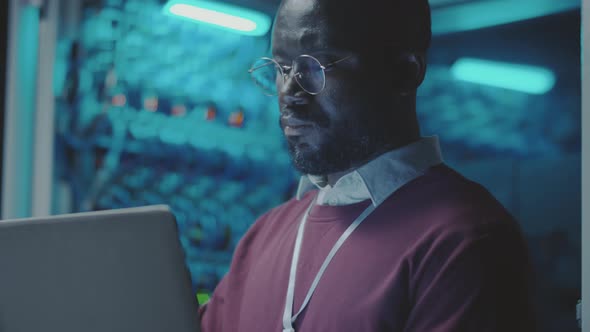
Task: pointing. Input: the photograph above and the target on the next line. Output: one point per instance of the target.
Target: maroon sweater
(440, 254)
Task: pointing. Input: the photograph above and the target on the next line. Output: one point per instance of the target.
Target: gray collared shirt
(379, 178)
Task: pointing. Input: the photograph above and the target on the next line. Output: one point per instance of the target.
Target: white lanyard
(288, 320)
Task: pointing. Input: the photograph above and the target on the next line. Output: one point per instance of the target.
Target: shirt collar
(382, 176)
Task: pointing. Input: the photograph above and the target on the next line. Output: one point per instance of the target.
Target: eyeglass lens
(307, 70)
(265, 72)
(310, 74)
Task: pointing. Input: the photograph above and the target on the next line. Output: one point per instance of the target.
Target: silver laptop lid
(117, 271)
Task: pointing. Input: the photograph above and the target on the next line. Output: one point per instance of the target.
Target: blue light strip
(237, 19)
(523, 78)
(482, 14)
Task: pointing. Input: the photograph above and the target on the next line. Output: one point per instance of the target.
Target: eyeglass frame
(325, 68)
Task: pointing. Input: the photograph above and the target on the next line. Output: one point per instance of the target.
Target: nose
(291, 93)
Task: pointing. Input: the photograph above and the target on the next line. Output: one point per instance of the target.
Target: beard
(339, 144)
(338, 152)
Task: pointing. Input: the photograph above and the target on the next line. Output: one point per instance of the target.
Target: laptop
(117, 270)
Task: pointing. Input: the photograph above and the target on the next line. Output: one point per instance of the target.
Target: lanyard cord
(287, 319)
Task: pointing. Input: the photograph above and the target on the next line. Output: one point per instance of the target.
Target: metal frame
(43, 148)
(585, 33)
(28, 156)
(15, 185)
(297, 75)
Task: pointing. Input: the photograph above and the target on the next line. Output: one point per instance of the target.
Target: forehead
(301, 26)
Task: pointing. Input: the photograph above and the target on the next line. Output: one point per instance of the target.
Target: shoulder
(444, 199)
(444, 211)
(442, 183)
(459, 214)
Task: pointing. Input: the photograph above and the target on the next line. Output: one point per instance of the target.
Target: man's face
(343, 125)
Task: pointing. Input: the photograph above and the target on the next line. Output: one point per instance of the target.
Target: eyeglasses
(309, 73)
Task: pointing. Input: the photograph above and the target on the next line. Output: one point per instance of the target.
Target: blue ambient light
(226, 16)
(471, 15)
(523, 78)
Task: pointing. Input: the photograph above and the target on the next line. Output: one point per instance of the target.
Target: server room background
(150, 107)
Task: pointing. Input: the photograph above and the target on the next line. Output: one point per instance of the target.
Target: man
(382, 235)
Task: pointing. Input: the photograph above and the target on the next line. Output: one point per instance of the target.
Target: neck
(401, 136)
(334, 177)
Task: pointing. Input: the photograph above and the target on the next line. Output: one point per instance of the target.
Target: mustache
(304, 114)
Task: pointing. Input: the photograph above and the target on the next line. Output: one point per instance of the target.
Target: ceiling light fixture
(237, 19)
(518, 77)
(471, 15)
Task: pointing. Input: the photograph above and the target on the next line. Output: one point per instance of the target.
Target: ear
(410, 70)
